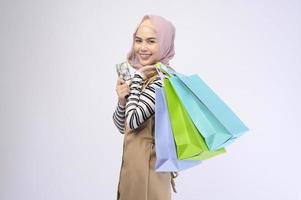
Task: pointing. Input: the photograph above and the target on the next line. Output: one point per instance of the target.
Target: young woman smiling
(153, 41)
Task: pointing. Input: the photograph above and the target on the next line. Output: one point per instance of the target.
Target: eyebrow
(146, 38)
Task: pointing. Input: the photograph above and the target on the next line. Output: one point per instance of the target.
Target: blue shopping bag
(166, 156)
(212, 117)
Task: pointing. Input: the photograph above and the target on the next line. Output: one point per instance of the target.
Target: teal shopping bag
(212, 117)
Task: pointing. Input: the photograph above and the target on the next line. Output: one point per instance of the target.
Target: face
(146, 45)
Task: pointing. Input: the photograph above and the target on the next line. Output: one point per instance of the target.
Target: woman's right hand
(123, 90)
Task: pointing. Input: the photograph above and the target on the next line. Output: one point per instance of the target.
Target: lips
(145, 56)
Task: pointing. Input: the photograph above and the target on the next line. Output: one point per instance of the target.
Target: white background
(57, 81)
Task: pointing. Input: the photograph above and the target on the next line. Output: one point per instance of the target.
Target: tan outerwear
(138, 179)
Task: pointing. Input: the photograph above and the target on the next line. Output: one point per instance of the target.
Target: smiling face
(146, 44)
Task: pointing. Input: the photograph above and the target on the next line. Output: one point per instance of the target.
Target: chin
(147, 62)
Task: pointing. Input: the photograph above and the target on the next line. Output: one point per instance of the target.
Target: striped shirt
(140, 104)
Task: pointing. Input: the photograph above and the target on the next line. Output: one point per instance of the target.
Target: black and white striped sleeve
(140, 104)
(119, 118)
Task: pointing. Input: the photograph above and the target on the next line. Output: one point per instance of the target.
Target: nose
(144, 46)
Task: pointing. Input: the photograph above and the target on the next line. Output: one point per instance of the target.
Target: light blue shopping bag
(166, 156)
(212, 117)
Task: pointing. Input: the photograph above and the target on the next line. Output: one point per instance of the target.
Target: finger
(124, 94)
(147, 68)
(120, 81)
(124, 86)
(151, 74)
(154, 72)
(121, 88)
(125, 90)
(150, 68)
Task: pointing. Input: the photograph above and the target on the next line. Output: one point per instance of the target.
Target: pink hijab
(166, 35)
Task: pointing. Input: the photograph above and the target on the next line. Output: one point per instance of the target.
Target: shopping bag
(166, 157)
(226, 126)
(189, 142)
(213, 118)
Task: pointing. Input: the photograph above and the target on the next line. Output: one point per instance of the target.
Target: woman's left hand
(148, 71)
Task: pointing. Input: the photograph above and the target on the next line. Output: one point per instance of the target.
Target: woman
(153, 41)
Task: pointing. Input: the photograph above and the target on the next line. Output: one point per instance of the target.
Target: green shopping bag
(189, 142)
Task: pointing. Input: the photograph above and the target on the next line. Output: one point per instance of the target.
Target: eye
(137, 41)
(152, 41)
